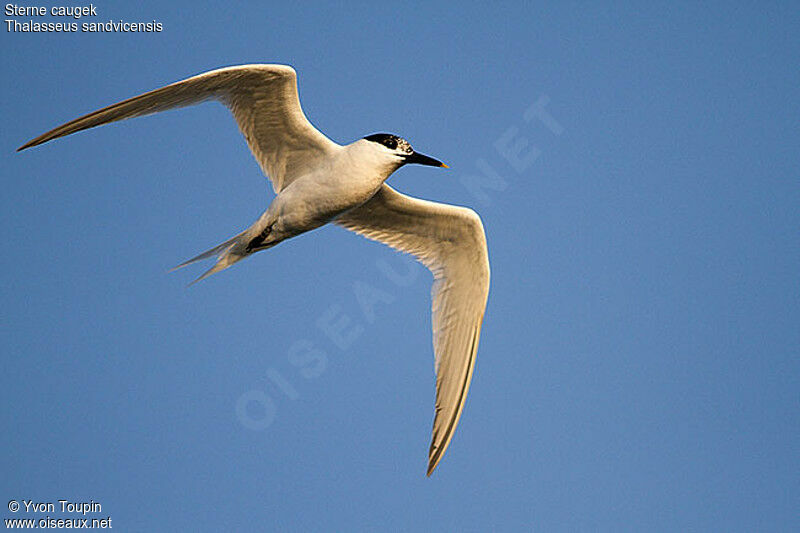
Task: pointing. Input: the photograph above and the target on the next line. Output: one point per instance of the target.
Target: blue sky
(638, 367)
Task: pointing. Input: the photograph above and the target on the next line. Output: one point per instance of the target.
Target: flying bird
(317, 181)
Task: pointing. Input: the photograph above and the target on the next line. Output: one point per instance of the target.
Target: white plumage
(318, 181)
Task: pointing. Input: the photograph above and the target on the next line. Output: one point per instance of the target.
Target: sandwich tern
(317, 181)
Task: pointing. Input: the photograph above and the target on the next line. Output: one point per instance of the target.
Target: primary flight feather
(317, 181)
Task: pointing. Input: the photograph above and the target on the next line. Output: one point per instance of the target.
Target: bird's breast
(316, 199)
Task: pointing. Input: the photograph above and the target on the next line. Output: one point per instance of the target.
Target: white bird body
(351, 177)
(318, 181)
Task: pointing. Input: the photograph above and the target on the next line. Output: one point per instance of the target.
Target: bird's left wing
(262, 98)
(450, 241)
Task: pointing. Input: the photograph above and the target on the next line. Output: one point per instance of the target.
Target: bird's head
(400, 150)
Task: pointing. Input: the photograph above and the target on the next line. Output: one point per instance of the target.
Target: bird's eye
(390, 143)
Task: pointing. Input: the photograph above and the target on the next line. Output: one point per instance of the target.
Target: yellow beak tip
(445, 166)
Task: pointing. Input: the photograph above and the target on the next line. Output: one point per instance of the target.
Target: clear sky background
(638, 367)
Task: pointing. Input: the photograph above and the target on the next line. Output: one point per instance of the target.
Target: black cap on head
(393, 142)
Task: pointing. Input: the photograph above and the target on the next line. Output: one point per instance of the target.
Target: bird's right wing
(450, 241)
(262, 98)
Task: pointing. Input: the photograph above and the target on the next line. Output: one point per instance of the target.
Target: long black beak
(420, 159)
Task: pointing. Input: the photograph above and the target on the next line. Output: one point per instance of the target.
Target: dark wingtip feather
(36, 141)
(432, 464)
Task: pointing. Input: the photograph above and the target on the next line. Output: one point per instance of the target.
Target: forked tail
(227, 253)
